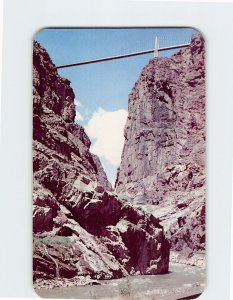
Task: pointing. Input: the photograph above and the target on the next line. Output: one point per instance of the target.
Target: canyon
(84, 230)
(81, 227)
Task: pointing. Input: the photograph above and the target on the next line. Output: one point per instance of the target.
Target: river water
(182, 282)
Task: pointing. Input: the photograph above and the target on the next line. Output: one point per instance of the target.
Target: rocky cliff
(163, 160)
(81, 228)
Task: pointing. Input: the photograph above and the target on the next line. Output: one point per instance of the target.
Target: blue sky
(102, 89)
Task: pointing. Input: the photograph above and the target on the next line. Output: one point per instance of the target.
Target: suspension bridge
(155, 51)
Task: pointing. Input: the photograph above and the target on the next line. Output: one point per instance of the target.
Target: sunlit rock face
(163, 160)
(81, 228)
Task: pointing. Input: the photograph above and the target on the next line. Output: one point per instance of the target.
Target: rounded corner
(199, 31)
(38, 31)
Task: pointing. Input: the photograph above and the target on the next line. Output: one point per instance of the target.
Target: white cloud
(77, 103)
(107, 129)
(78, 117)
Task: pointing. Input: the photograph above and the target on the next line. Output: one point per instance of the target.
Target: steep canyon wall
(81, 228)
(163, 160)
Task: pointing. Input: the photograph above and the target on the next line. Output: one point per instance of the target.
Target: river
(182, 282)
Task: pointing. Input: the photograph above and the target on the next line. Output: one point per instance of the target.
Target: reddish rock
(80, 226)
(163, 161)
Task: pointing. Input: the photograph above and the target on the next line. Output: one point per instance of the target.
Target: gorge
(84, 231)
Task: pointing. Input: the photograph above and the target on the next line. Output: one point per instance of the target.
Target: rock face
(81, 228)
(163, 160)
(102, 177)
